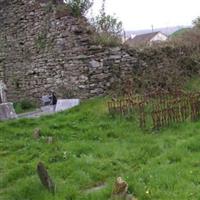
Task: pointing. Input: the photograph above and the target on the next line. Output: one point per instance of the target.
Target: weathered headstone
(45, 178)
(37, 133)
(7, 111)
(6, 108)
(65, 104)
(120, 190)
(49, 140)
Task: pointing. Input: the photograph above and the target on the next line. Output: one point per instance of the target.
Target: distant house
(146, 39)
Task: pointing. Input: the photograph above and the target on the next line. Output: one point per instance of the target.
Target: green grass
(91, 147)
(24, 106)
(193, 84)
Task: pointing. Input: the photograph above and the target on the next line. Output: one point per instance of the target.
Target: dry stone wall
(44, 48)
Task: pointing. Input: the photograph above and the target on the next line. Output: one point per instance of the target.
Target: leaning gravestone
(6, 108)
(65, 104)
(45, 178)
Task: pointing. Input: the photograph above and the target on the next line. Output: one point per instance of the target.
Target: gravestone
(49, 140)
(120, 188)
(65, 104)
(37, 134)
(120, 191)
(45, 178)
(6, 108)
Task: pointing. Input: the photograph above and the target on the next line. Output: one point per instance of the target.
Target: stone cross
(3, 90)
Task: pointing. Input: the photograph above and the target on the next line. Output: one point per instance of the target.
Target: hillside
(180, 32)
(91, 148)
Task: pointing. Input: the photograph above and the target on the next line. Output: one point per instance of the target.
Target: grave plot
(159, 108)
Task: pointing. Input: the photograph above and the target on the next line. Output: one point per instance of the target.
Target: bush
(106, 39)
(24, 105)
(108, 27)
(108, 24)
(79, 7)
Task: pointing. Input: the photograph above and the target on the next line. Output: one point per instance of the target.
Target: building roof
(141, 39)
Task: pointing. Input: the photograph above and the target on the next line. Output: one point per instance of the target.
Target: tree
(107, 23)
(108, 27)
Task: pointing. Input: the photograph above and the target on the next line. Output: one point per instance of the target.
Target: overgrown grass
(193, 84)
(91, 147)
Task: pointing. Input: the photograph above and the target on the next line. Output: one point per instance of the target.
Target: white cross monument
(3, 90)
(6, 108)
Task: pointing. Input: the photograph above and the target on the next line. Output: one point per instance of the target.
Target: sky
(142, 14)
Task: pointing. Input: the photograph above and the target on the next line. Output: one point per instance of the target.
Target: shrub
(108, 27)
(24, 105)
(106, 39)
(108, 24)
(79, 7)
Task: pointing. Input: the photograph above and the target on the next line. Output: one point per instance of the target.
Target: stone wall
(44, 48)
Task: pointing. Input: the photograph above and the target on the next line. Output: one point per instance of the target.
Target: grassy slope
(179, 32)
(91, 147)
